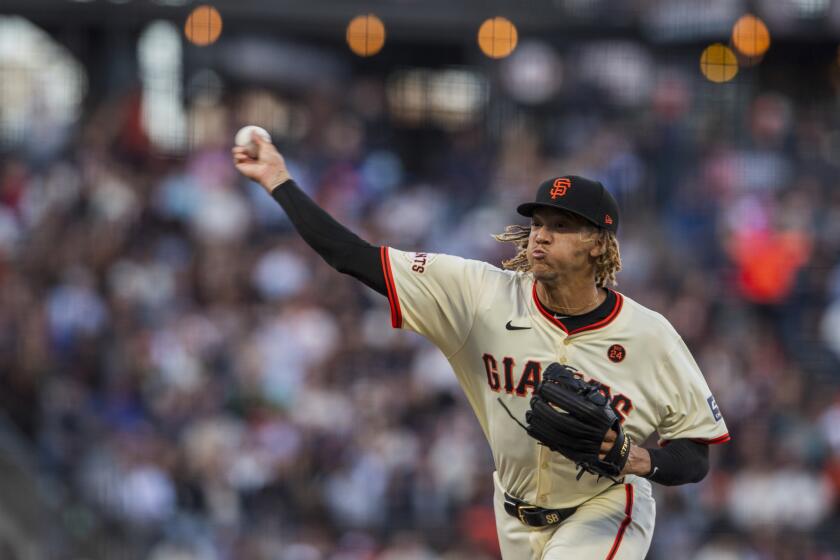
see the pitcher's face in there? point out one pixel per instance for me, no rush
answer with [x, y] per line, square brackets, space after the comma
[562, 245]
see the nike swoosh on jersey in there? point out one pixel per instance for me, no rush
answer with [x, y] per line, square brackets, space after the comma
[512, 328]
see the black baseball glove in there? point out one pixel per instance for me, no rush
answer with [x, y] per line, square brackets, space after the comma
[572, 417]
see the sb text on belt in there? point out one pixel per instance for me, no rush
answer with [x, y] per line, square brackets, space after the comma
[534, 516]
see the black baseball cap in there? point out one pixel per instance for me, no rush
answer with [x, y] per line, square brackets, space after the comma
[584, 197]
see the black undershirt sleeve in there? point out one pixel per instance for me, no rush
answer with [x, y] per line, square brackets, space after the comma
[680, 462]
[338, 246]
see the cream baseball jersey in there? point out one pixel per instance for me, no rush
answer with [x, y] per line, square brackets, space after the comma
[499, 338]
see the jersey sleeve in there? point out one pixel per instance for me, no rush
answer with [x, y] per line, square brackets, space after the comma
[435, 295]
[689, 410]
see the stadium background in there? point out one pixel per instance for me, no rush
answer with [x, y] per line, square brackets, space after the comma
[182, 378]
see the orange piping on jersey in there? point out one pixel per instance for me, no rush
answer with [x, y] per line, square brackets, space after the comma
[545, 313]
[720, 439]
[628, 517]
[619, 302]
[391, 288]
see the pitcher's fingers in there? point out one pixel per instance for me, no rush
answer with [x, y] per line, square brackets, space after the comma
[239, 150]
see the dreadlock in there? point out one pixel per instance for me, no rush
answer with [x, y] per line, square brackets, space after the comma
[607, 264]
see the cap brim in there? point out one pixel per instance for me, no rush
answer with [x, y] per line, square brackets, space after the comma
[528, 208]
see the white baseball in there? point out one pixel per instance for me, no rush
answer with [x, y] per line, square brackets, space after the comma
[243, 138]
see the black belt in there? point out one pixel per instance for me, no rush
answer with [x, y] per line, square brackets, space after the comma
[534, 516]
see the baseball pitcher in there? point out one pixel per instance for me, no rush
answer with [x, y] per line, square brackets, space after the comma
[564, 374]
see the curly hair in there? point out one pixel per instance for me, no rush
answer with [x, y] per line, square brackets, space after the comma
[607, 264]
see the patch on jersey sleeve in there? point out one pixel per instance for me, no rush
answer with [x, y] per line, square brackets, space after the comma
[715, 410]
[421, 261]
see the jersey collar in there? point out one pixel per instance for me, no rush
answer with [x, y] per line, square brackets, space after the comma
[616, 309]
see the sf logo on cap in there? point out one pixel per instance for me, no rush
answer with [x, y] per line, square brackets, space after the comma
[560, 187]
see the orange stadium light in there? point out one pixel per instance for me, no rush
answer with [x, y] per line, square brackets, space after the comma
[750, 36]
[718, 63]
[366, 35]
[203, 26]
[497, 37]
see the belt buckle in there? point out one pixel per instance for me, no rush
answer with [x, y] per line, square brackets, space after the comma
[520, 513]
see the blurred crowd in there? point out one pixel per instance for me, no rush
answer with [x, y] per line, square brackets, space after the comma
[202, 386]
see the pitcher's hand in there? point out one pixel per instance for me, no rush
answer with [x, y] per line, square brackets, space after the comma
[268, 168]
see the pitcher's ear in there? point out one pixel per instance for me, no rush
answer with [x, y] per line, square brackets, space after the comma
[600, 246]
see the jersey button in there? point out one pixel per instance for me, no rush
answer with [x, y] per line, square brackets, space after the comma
[545, 464]
[567, 341]
[543, 497]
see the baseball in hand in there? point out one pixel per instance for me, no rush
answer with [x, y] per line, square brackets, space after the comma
[243, 138]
